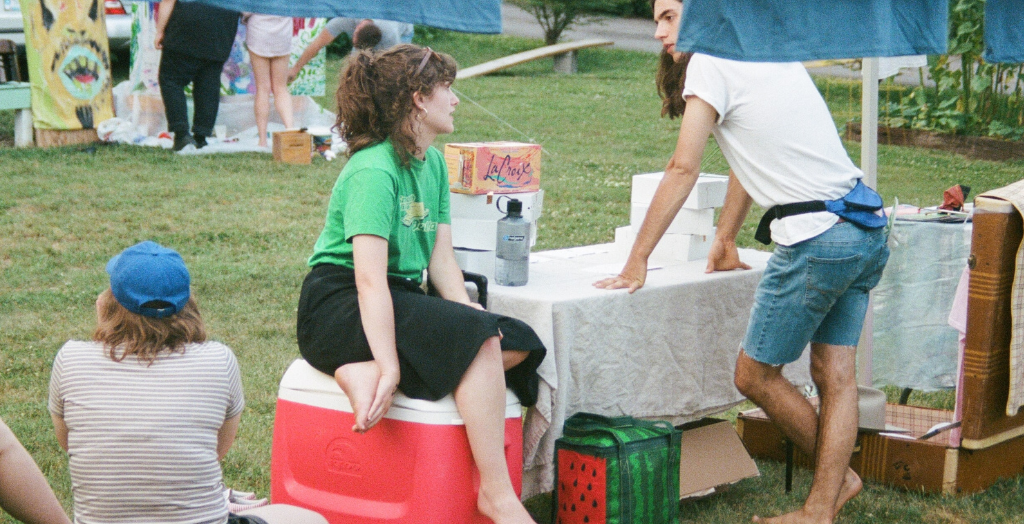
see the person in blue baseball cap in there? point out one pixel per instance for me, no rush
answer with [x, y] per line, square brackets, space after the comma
[149, 406]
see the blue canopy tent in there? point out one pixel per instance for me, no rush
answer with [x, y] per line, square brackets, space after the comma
[1004, 31]
[468, 16]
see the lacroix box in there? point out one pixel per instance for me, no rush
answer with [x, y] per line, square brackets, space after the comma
[477, 168]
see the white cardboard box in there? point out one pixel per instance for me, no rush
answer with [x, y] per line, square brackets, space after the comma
[671, 247]
[485, 207]
[481, 234]
[708, 192]
[686, 222]
[476, 261]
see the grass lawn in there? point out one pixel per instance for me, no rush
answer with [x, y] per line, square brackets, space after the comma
[246, 226]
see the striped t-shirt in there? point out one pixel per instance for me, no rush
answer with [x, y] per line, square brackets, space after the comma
[142, 440]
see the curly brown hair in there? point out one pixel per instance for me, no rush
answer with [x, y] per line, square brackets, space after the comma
[124, 333]
[375, 95]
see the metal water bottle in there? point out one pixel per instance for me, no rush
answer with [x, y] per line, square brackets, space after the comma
[512, 254]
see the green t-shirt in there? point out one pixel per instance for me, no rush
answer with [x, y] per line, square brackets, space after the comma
[375, 195]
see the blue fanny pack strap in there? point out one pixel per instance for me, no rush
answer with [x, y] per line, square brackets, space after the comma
[858, 207]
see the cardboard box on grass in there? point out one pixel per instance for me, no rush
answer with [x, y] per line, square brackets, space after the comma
[292, 147]
[500, 167]
[712, 457]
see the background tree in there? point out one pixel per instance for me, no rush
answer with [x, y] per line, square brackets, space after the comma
[555, 16]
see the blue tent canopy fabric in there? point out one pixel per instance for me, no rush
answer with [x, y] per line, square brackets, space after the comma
[1004, 31]
[468, 16]
[785, 31]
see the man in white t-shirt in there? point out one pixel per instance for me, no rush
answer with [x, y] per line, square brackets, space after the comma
[784, 152]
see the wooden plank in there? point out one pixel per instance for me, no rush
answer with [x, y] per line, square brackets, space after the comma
[526, 56]
[55, 137]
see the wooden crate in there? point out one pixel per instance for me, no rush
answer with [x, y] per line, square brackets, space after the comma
[293, 147]
[930, 465]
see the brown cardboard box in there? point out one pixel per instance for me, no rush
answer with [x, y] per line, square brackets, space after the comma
[293, 147]
[479, 168]
[712, 456]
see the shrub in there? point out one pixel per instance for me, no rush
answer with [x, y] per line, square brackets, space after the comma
[970, 97]
[555, 16]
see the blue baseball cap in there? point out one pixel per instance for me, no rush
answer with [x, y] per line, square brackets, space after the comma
[149, 279]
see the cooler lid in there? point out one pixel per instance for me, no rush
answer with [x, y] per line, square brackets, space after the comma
[304, 384]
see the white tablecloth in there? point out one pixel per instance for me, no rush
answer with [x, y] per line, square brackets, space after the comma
[914, 346]
[668, 351]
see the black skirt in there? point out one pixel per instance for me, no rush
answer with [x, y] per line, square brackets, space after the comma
[436, 339]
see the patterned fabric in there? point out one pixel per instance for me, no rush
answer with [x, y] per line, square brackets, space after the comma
[1014, 194]
[616, 471]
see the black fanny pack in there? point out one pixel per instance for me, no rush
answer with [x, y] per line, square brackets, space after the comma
[859, 207]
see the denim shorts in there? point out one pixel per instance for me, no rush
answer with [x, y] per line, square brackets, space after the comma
[815, 291]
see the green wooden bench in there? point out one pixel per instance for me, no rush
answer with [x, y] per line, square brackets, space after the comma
[565, 58]
[17, 96]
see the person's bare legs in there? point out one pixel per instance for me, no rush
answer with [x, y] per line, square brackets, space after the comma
[359, 382]
[279, 86]
[24, 492]
[833, 370]
[480, 398]
[261, 104]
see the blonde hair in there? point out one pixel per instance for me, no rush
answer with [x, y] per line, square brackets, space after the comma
[375, 91]
[124, 333]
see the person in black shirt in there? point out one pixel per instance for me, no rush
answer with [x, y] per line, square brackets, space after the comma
[196, 40]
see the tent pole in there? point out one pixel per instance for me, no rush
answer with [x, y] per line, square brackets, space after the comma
[869, 165]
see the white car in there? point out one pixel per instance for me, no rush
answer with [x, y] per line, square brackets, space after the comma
[119, 24]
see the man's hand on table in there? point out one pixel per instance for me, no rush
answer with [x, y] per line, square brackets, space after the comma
[632, 277]
[724, 257]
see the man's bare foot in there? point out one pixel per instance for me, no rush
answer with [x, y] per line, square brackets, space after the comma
[797, 517]
[359, 382]
[850, 488]
[503, 509]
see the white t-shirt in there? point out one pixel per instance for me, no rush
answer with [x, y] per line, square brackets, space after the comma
[777, 135]
[142, 439]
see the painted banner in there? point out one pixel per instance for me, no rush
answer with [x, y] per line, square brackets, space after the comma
[68, 62]
[236, 78]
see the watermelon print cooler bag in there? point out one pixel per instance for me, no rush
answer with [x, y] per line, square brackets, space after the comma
[616, 471]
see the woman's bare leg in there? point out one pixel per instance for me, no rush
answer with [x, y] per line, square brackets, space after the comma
[480, 398]
[261, 104]
[279, 86]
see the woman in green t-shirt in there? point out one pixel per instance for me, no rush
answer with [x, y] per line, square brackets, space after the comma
[363, 316]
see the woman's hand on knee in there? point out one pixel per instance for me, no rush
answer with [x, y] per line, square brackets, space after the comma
[383, 397]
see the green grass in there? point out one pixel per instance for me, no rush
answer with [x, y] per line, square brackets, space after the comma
[246, 225]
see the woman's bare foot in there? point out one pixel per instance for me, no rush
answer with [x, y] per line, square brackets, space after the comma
[504, 508]
[359, 382]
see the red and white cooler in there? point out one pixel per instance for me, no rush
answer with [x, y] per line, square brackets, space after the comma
[414, 466]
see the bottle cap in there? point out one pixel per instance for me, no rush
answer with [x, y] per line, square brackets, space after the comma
[515, 208]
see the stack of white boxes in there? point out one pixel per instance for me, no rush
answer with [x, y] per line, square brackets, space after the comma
[475, 226]
[690, 235]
